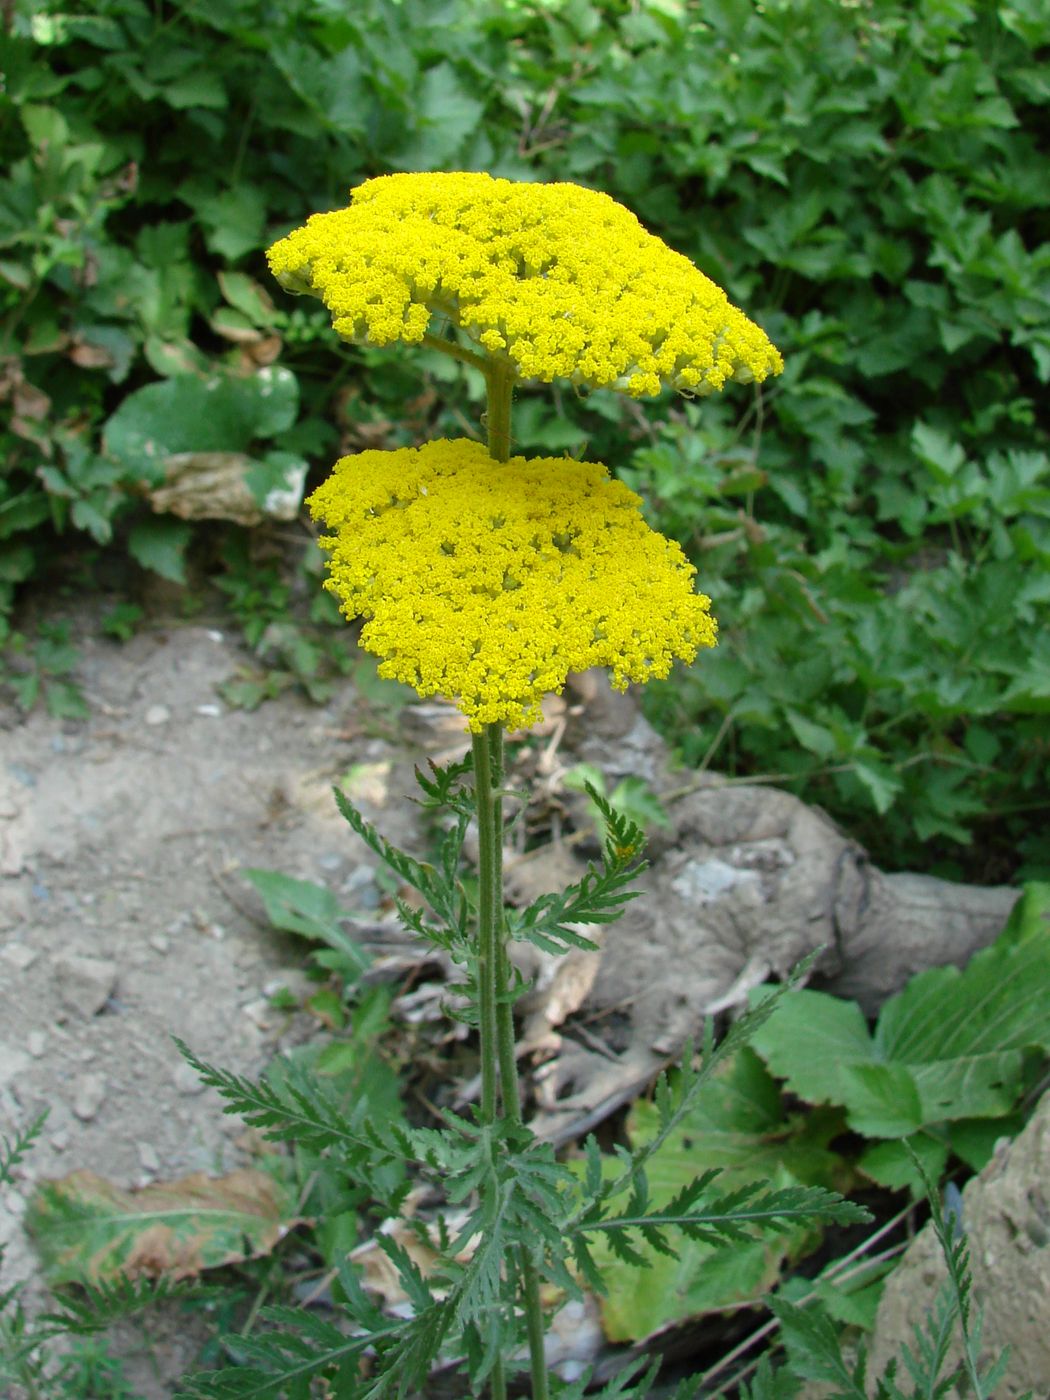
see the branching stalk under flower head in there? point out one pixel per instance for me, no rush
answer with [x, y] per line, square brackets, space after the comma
[489, 582]
[557, 280]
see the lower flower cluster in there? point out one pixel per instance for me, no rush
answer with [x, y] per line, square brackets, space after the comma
[489, 582]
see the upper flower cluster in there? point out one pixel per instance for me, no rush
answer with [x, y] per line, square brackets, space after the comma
[489, 582]
[558, 280]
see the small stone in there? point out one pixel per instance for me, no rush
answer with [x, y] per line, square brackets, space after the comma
[158, 714]
[210, 711]
[59, 1141]
[148, 1156]
[85, 984]
[12, 1063]
[207, 925]
[186, 1079]
[14, 1203]
[159, 943]
[89, 1096]
[292, 979]
[36, 1043]
[259, 1013]
[19, 956]
[12, 852]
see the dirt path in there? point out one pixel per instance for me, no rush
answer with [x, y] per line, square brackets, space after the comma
[123, 917]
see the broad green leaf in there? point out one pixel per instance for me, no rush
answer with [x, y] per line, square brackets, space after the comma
[964, 1033]
[221, 413]
[446, 113]
[200, 88]
[311, 911]
[950, 1047]
[330, 85]
[159, 543]
[817, 738]
[234, 219]
[809, 1039]
[891, 1165]
[882, 783]
[248, 297]
[883, 1099]
[89, 1231]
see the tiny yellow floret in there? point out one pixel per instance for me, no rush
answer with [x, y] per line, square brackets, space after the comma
[488, 582]
[556, 280]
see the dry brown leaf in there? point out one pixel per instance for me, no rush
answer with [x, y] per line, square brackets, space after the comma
[213, 486]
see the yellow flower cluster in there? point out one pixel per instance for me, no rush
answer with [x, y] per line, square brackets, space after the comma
[558, 280]
[488, 582]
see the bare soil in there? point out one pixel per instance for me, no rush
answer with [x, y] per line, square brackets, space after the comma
[124, 919]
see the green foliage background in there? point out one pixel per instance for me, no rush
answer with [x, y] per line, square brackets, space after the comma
[867, 179]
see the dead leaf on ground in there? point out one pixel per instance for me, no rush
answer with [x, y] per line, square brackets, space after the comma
[214, 486]
[379, 1273]
[87, 1230]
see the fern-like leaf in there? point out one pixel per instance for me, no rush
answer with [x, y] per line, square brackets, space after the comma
[675, 1099]
[96, 1307]
[708, 1217]
[283, 1361]
[420, 875]
[619, 1388]
[14, 1149]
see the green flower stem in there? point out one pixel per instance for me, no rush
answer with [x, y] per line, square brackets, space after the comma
[490, 898]
[457, 352]
[499, 377]
[496, 1014]
[488, 747]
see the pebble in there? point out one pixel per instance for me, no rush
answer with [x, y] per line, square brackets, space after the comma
[292, 979]
[85, 984]
[260, 1013]
[59, 1141]
[12, 1063]
[187, 1080]
[19, 956]
[148, 1156]
[158, 714]
[159, 943]
[36, 1043]
[90, 1092]
[210, 711]
[361, 886]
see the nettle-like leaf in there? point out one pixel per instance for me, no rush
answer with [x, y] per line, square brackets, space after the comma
[950, 1048]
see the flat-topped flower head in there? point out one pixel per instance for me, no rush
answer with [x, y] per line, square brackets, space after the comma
[557, 280]
[488, 582]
